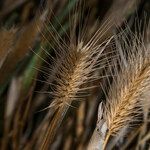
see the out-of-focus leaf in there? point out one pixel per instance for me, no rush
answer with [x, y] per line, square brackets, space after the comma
[10, 5]
[13, 95]
[122, 9]
[64, 13]
[22, 44]
[6, 42]
[30, 73]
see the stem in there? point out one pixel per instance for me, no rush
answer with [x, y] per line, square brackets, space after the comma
[106, 140]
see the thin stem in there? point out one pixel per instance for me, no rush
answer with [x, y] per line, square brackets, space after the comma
[106, 140]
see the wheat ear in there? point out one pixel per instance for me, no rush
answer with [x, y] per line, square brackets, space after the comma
[124, 102]
[78, 63]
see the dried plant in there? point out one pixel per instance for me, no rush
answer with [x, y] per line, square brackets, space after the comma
[56, 66]
[128, 93]
[78, 61]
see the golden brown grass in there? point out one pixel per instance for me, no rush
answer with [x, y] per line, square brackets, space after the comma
[78, 63]
[125, 102]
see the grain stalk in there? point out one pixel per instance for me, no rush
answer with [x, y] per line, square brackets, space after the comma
[78, 61]
[124, 104]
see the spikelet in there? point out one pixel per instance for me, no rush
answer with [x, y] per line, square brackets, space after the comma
[124, 105]
[78, 60]
[76, 70]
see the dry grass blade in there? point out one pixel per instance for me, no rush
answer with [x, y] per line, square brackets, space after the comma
[6, 43]
[121, 9]
[10, 109]
[10, 7]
